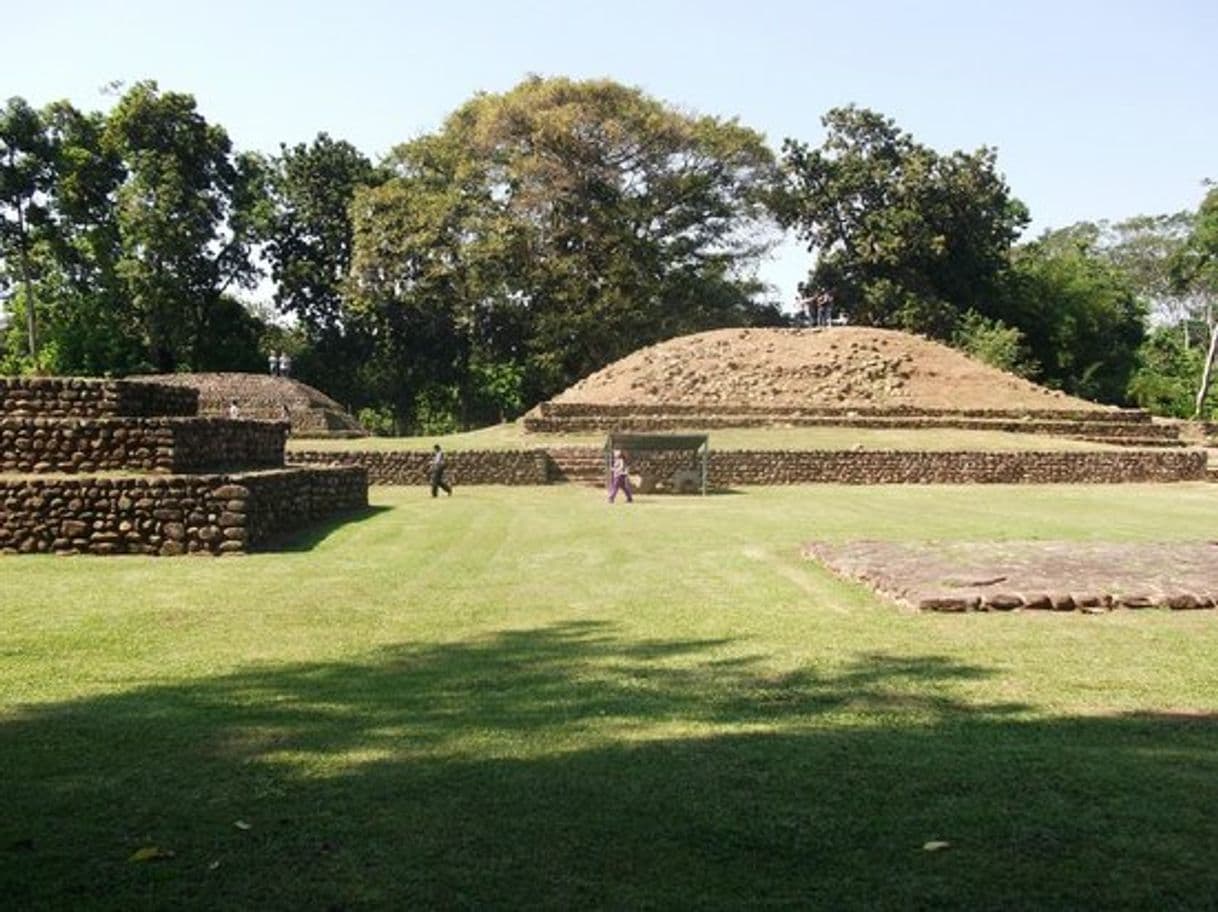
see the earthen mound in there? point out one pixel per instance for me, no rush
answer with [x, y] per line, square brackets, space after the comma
[838, 367]
[311, 412]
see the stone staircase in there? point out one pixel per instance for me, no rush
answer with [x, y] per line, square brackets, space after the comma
[576, 465]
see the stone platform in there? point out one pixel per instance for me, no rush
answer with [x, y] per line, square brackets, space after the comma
[1091, 577]
[122, 467]
[171, 514]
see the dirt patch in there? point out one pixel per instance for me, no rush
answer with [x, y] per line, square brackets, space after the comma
[1054, 576]
[843, 366]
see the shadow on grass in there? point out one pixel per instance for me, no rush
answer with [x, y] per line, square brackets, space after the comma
[569, 767]
[313, 535]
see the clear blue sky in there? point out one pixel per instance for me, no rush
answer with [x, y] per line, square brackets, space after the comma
[1097, 109]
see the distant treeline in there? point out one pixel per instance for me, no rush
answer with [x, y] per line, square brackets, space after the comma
[544, 232]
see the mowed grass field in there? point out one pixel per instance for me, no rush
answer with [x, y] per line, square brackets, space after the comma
[526, 698]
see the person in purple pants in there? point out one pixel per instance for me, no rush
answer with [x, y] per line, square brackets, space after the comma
[619, 477]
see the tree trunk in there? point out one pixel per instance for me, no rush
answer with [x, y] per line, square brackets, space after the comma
[27, 285]
[1207, 370]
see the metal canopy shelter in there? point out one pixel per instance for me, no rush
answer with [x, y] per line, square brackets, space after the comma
[698, 444]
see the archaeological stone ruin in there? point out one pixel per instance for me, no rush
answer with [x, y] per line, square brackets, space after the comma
[126, 467]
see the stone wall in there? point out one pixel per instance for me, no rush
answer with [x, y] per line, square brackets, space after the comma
[70, 397]
[221, 443]
[470, 467]
[173, 445]
[728, 468]
[168, 515]
[617, 410]
[1106, 430]
[1118, 426]
[289, 499]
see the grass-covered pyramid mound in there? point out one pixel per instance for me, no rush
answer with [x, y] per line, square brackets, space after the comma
[311, 412]
[839, 367]
[853, 376]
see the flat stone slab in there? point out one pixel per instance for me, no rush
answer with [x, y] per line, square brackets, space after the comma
[1091, 577]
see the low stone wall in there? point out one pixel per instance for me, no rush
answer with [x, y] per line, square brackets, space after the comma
[206, 514]
[74, 397]
[290, 499]
[211, 443]
[729, 468]
[1105, 430]
[470, 467]
[617, 410]
[172, 445]
[777, 467]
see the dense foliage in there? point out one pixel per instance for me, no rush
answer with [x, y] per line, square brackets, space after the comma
[905, 237]
[544, 232]
[548, 231]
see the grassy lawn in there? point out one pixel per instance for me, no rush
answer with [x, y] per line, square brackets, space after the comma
[514, 437]
[527, 698]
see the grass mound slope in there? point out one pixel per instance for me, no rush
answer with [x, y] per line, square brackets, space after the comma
[839, 367]
[311, 412]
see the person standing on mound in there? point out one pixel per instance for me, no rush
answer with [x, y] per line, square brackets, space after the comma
[437, 473]
[619, 477]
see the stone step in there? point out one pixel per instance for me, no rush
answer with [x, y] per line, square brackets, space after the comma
[577, 466]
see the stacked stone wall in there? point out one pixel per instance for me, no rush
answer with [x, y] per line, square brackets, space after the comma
[1106, 430]
[210, 443]
[471, 467]
[1117, 426]
[287, 500]
[65, 397]
[170, 445]
[728, 468]
[203, 514]
[617, 410]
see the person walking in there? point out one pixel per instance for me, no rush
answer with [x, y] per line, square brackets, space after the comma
[619, 477]
[437, 473]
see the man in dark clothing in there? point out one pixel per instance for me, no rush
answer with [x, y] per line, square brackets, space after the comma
[437, 473]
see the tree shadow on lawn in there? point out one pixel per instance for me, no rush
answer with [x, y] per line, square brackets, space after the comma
[569, 767]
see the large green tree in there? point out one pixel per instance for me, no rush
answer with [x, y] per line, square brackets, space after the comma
[1195, 272]
[25, 178]
[89, 327]
[903, 236]
[186, 209]
[1144, 249]
[544, 232]
[1079, 316]
[308, 242]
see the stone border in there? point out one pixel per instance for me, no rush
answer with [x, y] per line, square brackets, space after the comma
[170, 445]
[728, 468]
[170, 515]
[1084, 576]
[553, 409]
[1105, 431]
[468, 467]
[78, 397]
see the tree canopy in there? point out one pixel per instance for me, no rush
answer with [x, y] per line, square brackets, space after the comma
[554, 228]
[543, 232]
[903, 236]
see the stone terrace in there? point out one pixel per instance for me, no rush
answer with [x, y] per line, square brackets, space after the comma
[59, 438]
[1132, 427]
